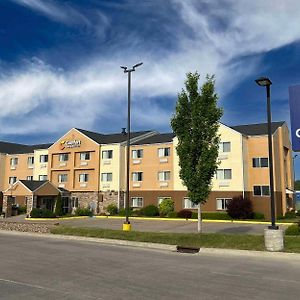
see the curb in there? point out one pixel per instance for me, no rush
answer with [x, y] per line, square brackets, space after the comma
[157, 246]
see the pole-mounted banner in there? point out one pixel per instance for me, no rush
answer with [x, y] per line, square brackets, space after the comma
[294, 92]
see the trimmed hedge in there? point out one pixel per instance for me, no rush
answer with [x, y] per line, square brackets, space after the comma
[172, 214]
[150, 211]
[212, 216]
[83, 212]
[186, 214]
[41, 213]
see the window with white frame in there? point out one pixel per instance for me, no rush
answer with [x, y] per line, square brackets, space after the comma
[30, 160]
[44, 158]
[188, 204]
[85, 156]
[83, 177]
[222, 203]
[161, 199]
[12, 179]
[261, 190]
[137, 176]
[30, 178]
[138, 153]
[224, 174]
[137, 201]
[224, 147]
[62, 178]
[164, 175]
[14, 161]
[42, 177]
[106, 177]
[63, 157]
[74, 202]
[260, 162]
[162, 152]
[107, 154]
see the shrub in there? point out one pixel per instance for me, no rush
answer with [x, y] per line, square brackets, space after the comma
[58, 206]
[258, 216]
[41, 213]
[220, 215]
[290, 215]
[83, 212]
[166, 206]
[298, 213]
[172, 214]
[122, 212]
[293, 230]
[240, 208]
[112, 209]
[137, 212]
[186, 214]
[151, 211]
[21, 210]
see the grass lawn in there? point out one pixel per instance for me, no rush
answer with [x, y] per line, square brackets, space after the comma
[208, 240]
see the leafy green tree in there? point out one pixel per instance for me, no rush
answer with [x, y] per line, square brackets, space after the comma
[297, 185]
[58, 206]
[196, 124]
[166, 206]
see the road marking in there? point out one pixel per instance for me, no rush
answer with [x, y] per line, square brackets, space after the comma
[44, 288]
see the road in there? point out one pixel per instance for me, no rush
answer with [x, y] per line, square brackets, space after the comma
[41, 268]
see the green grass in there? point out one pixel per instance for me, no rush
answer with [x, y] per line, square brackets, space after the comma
[208, 240]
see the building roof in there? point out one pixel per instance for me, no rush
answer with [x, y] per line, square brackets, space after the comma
[110, 138]
[257, 129]
[33, 184]
[159, 138]
[13, 148]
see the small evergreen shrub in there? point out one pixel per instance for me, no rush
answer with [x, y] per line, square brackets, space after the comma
[112, 209]
[83, 212]
[258, 216]
[41, 213]
[166, 206]
[58, 206]
[293, 230]
[137, 213]
[212, 216]
[122, 212]
[240, 208]
[185, 213]
[151, 211]
[290, 215]
[21, 210]
[172, 214]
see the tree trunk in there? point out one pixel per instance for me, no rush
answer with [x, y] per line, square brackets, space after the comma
[199, 219]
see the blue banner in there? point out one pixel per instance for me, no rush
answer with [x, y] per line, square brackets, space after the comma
[294, 92]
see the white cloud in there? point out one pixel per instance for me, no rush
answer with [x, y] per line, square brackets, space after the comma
[98, 88]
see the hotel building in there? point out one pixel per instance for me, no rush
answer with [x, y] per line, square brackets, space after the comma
[89, 170]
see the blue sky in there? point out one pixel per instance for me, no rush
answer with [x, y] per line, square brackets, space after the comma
[59, 61]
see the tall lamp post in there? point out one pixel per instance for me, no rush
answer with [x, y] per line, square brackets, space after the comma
[126, 224]
[264, 81]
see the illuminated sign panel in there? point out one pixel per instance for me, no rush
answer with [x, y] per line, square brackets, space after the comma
[294, 92]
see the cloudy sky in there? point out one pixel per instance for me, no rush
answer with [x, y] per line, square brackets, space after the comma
[60, 61]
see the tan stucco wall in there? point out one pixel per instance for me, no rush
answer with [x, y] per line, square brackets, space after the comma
[2, 171]
[39, 168]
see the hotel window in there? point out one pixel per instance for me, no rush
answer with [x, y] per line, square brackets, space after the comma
[164, 175]
[64, 157]
[137, 153]
[74, 202]
[107, 154]
[224, 174]
[43, 158]
[85, 156]
[261, 190]
[162, 152]
[225, 147]
[136, 202]
[222, 203]
[42, 177]
[30, 160]
[62, 178]
[14, 161]
[106, 177]
[260, 162]
[161, 199]
[137, 176]
[30, 178]
[12, 180]
[188, 204]
[83, 177]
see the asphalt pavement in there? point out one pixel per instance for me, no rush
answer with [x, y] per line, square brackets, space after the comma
[34, 267]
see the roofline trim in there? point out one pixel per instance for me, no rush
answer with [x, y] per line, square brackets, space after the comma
[19, 181]
[47, 181]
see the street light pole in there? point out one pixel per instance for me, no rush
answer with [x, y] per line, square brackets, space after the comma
[127, 225]
[264, 81]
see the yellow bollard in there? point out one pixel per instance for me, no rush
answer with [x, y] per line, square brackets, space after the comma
[126, 227]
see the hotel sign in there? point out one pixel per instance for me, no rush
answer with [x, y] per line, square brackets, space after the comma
[70, 144]
[294, 92]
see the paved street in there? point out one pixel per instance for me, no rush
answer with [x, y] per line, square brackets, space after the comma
[41, 268]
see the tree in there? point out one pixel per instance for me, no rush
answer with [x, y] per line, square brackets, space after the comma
[196, 124]
[297, 185]
[58, 206]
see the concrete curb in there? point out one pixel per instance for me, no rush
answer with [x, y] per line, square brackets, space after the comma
[156, 246]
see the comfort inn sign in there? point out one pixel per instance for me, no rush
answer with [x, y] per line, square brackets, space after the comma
[294, 92]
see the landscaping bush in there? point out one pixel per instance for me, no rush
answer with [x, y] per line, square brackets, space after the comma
[166, 206]
[151, 211]
[240, 208]
[112, 209]
[172, 214]
[290, 215]
[258, 216]
[58, 206]
[137, 212]
[186, 214]
[122, 211]
[83, 212]
[212, 216]
[21, 210]
[293, 230]
[41, 213]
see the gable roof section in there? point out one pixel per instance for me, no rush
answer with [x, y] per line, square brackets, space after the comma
[257, 129]
[33, 185]
[14, 148]
[158, 138]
